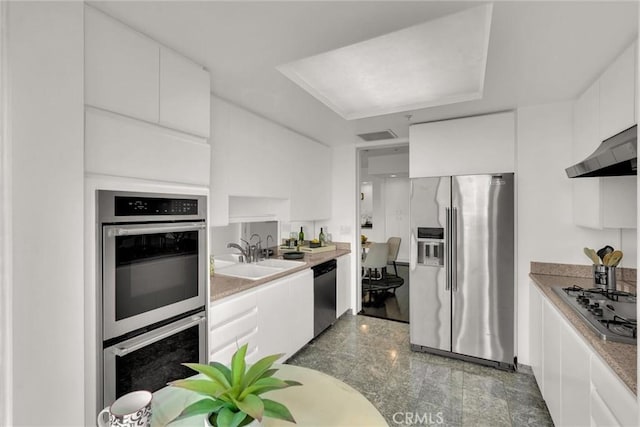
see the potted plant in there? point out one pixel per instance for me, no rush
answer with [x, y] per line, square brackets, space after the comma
[232, 395]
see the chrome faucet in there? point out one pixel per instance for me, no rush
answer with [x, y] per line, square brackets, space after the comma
[255, 250]
[245, 253]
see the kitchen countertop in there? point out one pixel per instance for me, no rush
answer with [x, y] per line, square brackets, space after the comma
[222, 286]
[621, 358]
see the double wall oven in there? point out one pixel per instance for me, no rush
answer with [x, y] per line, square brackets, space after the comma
[153, 289]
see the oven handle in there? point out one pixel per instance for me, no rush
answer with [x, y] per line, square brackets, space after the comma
[122, 231]
[161, 333]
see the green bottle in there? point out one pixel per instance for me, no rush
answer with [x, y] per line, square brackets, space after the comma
[301, 237]
[322, 238]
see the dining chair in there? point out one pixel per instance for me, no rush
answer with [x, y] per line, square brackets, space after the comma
[376, 260]
[394, 248]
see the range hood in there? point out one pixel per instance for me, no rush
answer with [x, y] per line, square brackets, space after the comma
[616, 156]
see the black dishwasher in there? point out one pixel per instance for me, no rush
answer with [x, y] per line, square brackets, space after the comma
[324, 296]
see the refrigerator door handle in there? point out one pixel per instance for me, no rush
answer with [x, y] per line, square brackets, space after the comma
[454, 250]
[447, 244]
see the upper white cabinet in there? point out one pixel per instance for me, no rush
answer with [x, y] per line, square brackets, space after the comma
[121, 68]
[466, 146]
[617, 94]
[131, 74]
[255, 158]
[184, 94]
[606, 108]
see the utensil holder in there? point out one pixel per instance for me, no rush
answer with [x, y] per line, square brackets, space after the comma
[604, 277]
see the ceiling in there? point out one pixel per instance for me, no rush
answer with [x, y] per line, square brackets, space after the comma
[539, 52]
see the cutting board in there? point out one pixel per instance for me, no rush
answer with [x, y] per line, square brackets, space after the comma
[327, 248]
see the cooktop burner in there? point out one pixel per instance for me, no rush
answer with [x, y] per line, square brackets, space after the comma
[611, 314]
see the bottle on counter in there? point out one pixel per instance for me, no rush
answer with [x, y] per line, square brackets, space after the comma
[301, 237]
[322, 238]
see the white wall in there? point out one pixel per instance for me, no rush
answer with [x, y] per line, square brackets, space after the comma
[46, 119]
[343, 225]
[397, 210]
[545, 230]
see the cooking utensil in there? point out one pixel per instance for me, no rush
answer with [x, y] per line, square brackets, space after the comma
[606, 250]
[605, 259]
[614, 258]
[591, 253]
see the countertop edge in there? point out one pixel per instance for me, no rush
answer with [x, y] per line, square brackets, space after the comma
[616, 355]
[222, 286]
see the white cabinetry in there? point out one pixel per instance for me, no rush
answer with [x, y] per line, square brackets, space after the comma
[233, 321]
[575, 384]
[619, 403]
[535, 334]
[184, 94]
[617, 94]
[276, 317]
[343, 285]
[121, 68]
[285, 314]
[551, 367]
[579, 389]
[255, 158]
[471, 145]
[604, 109]
[131, 74]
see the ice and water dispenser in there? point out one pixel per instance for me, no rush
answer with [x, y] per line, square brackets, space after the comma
[430, 246]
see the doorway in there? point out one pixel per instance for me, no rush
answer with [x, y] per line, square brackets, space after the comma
[385, 223]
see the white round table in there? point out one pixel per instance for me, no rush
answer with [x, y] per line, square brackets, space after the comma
[321, 401]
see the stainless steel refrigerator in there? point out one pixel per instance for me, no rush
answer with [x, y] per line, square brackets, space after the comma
[462, 281]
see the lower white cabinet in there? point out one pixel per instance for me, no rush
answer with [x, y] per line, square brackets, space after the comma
[343, 285]
[233, 321]
[285, 314]
[551, 366]
[273, 318]
[578, 387]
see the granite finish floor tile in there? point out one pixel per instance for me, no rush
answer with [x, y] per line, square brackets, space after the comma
[416, 389]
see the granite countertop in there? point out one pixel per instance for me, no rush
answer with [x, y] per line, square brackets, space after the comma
[222, 286]
[621, 358]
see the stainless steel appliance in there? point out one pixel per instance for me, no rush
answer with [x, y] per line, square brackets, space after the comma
[152, 294]
[615, 156]
[324, 296]
[611, 314]
[462, 280]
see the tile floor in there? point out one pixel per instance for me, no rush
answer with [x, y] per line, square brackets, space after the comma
[408, 388]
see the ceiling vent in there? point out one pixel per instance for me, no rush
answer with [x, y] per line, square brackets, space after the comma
[378, 136]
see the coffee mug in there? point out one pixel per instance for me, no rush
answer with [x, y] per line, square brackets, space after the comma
[131, 410]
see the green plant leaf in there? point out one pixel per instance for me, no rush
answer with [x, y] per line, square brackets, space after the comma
[292, 383]
[238, 365]
[206, 387]
[252, 405]
[222, 368]
[238, 418]
[258, 368]
[204, 406]
[277, 410]
[225, 417]
[211, 372]
[263, 385]
[268, 373]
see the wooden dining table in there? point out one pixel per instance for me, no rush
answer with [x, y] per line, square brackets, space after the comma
[321, 400]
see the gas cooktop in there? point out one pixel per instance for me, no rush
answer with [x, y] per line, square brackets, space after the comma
[611, 314]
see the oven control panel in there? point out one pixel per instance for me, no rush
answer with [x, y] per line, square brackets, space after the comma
[136, 206]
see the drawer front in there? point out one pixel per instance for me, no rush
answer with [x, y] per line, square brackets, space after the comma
[613, 393]
[601, 415]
